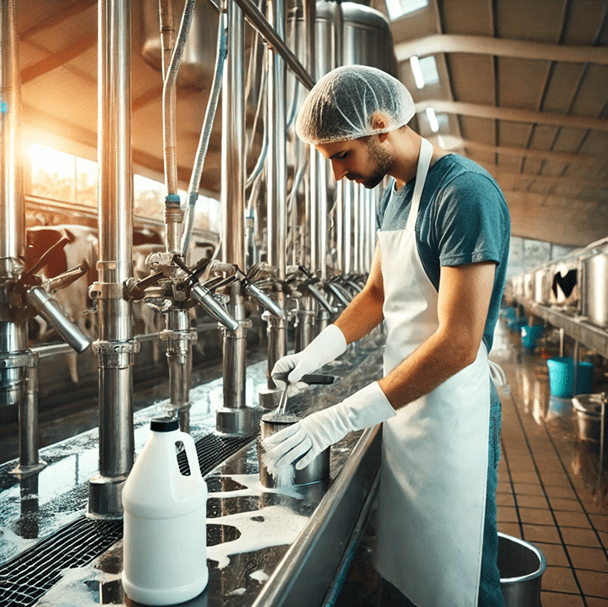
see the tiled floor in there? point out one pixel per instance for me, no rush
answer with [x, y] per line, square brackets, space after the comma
[548, 491]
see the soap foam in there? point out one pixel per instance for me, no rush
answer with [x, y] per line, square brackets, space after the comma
[74, 588]
[284, 475]
[259, 576]
[254, 487]
[281, 526]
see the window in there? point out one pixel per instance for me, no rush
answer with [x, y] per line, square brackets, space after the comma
[424, 71]
[399, 8]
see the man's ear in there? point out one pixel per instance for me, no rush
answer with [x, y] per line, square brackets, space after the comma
[379, 120]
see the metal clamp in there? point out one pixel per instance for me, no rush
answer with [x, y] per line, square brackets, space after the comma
[168, 335]
[15, 360]
[107, 290]
[116, 354]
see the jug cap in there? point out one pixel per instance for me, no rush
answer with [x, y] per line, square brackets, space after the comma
[164, 424]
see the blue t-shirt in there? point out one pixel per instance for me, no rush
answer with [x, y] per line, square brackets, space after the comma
[463, 218]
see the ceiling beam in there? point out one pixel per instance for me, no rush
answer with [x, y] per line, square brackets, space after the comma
[550, 202]
[527, 153]
[477, 110]
[499, 173]
[59, 17]
[501, 47]
[55, 60]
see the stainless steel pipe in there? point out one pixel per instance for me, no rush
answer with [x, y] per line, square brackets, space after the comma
[179, 337]
[13, 333]
[234, 417]
[276, 40]
[115, 347]
[276, 174]
[233, 143]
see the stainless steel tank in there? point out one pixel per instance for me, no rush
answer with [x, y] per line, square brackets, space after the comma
[529, 286]
[367, 38]
[594, 288]
[543, 279]
[198, 62]
[518, 286]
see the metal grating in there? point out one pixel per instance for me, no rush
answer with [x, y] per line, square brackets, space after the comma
[28, 576]
[24, 579]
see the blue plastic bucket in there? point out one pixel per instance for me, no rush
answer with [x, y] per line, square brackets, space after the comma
[529, 335]
[561, 377]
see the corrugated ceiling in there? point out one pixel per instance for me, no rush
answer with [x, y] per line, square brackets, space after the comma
[523, 90]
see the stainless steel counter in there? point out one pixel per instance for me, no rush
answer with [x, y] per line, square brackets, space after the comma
[265, 547]
[577, 327]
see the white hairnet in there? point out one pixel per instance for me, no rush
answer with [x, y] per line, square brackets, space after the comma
[341, 105]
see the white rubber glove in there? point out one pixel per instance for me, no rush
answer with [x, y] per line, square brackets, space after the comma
[324, 348]
[306, 439]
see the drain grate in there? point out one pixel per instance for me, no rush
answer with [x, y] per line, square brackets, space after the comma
[27, 577]
[24, 579]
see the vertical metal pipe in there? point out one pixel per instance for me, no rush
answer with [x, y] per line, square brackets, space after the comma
[234, 417]
[347, 209]
[179, 338]
[362, 227]
[309, 236]
[374, 195]
[28, 419]
[323, 176]
[235, 353]
[115, 347]
[340, 226]
[276, 172]
[13, 334]
[356, 232]
[233, 140]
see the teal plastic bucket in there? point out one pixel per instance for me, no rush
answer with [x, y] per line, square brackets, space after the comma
[529, 335]
[584, 378]
[561, 377]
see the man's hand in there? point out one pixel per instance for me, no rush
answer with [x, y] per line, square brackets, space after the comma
[315, 433]
[327, 346]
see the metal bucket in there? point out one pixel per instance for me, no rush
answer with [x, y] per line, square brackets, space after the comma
[316, 471]
[521, 566]
[589, 416]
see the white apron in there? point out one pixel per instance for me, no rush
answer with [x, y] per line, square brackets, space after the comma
[435, 450]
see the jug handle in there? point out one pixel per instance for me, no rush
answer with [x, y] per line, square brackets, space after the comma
[189, 447]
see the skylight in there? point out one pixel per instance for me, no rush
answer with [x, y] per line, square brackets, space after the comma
[399, 8]
[424, 70]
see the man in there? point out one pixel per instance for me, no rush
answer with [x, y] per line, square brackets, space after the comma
[436, 281]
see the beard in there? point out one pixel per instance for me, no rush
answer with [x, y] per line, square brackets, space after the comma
[380, 162]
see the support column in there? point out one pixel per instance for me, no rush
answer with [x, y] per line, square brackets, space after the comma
[115, 347]
[13, 332]
[234, 417]
[276, 172]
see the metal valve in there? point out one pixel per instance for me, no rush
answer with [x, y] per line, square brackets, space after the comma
[205, 297]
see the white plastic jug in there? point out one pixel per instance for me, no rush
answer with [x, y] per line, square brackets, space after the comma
[164, 546]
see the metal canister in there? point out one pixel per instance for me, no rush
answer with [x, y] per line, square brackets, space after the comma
[316, 471]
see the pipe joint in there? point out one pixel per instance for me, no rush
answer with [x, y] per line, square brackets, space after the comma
[240, 332]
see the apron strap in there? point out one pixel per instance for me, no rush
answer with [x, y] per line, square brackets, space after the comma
[424, 162]
[497, 374]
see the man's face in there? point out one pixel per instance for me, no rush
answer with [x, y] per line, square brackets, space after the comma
[362, 160]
